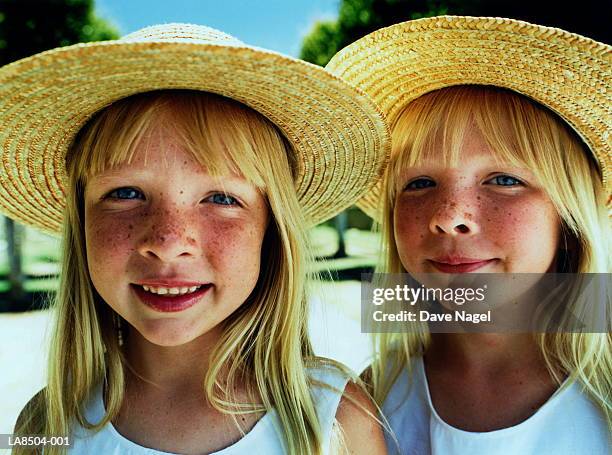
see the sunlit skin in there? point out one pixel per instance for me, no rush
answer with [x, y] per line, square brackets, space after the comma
[481, 210]
[168, 217]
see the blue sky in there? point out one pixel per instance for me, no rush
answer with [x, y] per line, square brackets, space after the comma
[279, 25]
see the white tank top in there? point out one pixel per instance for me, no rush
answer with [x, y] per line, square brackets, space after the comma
[263, 438]
[569, 423]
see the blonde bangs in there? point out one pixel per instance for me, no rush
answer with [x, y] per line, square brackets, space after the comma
[222, 135]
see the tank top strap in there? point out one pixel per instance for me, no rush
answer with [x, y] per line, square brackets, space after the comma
[328, 387]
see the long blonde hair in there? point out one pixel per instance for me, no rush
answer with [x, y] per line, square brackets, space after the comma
[521, 132]
[265, 341]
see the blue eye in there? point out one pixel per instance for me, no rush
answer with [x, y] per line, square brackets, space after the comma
[420, 184]
[223, 199]
[124, 193]
[505, 180]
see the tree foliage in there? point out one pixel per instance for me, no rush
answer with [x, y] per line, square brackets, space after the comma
[357, 18]
[31, 26]
[26, 28]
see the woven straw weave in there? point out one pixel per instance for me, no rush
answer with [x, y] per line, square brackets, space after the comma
[338, 135]
[566, 72]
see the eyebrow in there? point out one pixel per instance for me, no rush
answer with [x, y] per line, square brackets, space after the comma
[480, 162]
[522, 172]
[108, 178]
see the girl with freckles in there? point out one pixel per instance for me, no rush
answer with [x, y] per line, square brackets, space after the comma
[181, 317]
[500, 163]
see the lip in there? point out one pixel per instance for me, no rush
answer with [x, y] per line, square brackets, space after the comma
[459, 264]
[170, 304]
[169, 283]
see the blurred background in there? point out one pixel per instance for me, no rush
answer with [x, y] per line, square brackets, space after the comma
[310, 29]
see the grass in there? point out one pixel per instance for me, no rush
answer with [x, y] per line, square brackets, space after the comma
[324, 240]
[40, 253]
[344, 263]
[361, 248]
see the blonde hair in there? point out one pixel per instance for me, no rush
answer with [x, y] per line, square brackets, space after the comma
[265, 341]
[522, 132]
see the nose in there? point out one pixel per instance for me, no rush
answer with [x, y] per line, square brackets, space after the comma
[454, 217]
[168, 236]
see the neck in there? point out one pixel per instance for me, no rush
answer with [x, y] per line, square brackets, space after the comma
[483, 351]
[169, 368]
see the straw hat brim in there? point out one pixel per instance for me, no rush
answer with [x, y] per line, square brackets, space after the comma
[337, 132]
[568, 73]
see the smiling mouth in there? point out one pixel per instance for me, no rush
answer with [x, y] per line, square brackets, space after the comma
[171, 291]
[167, 300]
[460, 267]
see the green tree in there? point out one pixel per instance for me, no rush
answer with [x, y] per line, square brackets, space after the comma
[321, 43]
[31, 26]
[26, 28]
[357, 18]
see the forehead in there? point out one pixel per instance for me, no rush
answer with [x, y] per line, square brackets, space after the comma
[466, 146]
[160, 147]
[163, 162]
[202, 134]
[445, 124]
[470, 145]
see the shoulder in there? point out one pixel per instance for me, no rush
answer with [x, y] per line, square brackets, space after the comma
[31, 414]
[346, 409]
[359, 422]
[327, 379]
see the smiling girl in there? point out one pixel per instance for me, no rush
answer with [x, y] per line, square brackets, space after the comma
[181, 313]
[485, 179]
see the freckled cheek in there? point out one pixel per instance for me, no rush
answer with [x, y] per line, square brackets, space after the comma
[411, 219]
[109, 242]
[523, 225]
[410, 227]
[501, 222]
[234, 246]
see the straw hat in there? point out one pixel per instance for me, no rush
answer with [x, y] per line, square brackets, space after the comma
[566, 72]
[336, 131]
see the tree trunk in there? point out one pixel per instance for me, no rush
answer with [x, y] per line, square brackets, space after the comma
[14, 233]
[340, 223]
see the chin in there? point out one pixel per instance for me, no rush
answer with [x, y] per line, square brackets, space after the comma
[169, 333]
[167, 339]
[172, 343]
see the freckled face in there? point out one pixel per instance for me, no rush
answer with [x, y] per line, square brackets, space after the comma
[480, 210]
[168, 218]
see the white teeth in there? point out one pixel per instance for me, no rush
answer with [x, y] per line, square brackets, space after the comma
[172, 291]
